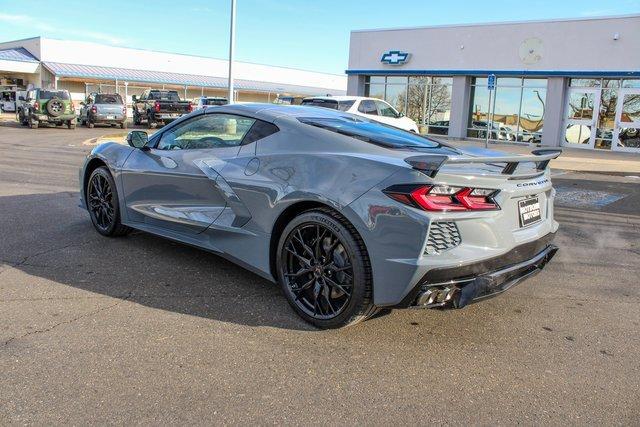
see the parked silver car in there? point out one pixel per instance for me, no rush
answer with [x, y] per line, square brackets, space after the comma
[201, 102]
[349, 215]
[103, 108]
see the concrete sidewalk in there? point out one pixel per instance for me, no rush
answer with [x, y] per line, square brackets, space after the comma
[574, 159]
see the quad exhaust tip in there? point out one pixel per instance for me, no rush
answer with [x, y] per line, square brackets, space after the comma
[437, 296]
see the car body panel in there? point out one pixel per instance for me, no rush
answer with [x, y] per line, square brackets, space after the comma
[228, 200]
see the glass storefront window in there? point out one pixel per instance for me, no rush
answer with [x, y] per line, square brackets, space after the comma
[580, 105]
[396, 80]
[424, 99]
[374, 91]
[532, 115]
[631, 83]
[396, 95]
[585, 82]
[376, 79]
[516, 113]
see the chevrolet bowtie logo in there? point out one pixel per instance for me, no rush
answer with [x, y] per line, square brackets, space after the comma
[394, 57]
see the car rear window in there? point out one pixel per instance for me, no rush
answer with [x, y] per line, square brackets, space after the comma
[60, 94]
[108, 99]
[164, 96]
[328, 103]
[214, 101]
[372, 132]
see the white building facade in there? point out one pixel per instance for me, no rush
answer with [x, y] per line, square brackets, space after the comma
[85, 67]
[572, 83]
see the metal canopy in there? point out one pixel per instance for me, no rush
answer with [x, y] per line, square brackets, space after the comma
[161, 77]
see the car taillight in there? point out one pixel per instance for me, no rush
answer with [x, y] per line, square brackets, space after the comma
[72, 106]
[94, 109]
[156, 106]
[36, 106]
[190, 108]
[444, 198]
[124, 110]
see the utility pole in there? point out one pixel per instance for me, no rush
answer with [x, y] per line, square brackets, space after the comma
[232, 45]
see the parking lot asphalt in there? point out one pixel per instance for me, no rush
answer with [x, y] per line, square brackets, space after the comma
[143, 330]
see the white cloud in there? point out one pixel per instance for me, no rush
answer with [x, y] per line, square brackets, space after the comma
[24, 20]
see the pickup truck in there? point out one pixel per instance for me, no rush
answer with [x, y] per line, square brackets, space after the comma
[158, 107]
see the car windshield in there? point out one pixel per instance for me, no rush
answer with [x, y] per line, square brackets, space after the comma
[372, 132]
[48, 94]
[328, 103]
[164, 96]
[108, 99]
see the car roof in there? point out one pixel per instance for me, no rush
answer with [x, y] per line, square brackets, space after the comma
[341, 98]
[271, 112]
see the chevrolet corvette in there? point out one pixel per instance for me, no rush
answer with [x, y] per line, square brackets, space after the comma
[349, 216]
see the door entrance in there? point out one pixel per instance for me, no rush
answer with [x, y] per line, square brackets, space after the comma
[581, 113]
[626, 136]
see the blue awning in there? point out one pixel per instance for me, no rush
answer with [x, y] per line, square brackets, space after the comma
[19, 54]
[161, 77]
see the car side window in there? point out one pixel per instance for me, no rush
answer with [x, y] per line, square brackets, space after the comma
[259, 130]
[368, 107]
[206, 131]
[386, 110]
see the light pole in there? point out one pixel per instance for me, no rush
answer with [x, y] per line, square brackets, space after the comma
[232, 43]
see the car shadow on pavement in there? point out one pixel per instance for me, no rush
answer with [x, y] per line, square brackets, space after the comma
[50, 237]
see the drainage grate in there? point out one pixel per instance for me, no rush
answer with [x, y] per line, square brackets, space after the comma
[443, 235]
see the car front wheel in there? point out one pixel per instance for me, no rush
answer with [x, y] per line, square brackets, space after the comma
[102, 203]
[324, 270]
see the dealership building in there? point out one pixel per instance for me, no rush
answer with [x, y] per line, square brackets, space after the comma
[84, 67]
[573, 83]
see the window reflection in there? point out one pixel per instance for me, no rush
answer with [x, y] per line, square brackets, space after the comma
[631, 108]
[425, 99]
[516, 113]
[396, 95]
[580, 105]
[577, 134]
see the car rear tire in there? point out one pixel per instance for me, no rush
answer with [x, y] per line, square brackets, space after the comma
[90, 124]
[123, 125]
[324, 270]
[103, 204]
[33, 124]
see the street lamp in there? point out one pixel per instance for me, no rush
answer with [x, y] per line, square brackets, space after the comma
[232, 42]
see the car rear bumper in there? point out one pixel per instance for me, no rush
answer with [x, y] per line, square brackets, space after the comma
[168, 116]
[60, 118]
[108, 118]
[457, 287]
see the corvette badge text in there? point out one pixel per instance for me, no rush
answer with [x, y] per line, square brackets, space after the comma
[535, 183]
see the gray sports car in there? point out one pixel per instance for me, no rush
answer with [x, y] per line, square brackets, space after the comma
[348, 215]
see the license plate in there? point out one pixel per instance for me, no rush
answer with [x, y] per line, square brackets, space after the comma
[529, 210]
[111, 117]
[175, 115]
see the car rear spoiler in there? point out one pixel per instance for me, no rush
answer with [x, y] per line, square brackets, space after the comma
[431, 164]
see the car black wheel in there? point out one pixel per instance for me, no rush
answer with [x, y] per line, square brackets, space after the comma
[324, 270]
[102, 203]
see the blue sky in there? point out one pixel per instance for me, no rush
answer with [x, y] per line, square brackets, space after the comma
[308, 34]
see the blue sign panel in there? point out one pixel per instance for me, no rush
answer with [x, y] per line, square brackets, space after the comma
[394, 57]
[491, 82]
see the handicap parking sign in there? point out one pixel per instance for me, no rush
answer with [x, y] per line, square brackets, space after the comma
[491, 82]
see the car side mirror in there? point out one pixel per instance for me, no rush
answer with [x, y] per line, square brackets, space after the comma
[137, 139]
[134, 98]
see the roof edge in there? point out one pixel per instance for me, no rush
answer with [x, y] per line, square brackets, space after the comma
[486, 24]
